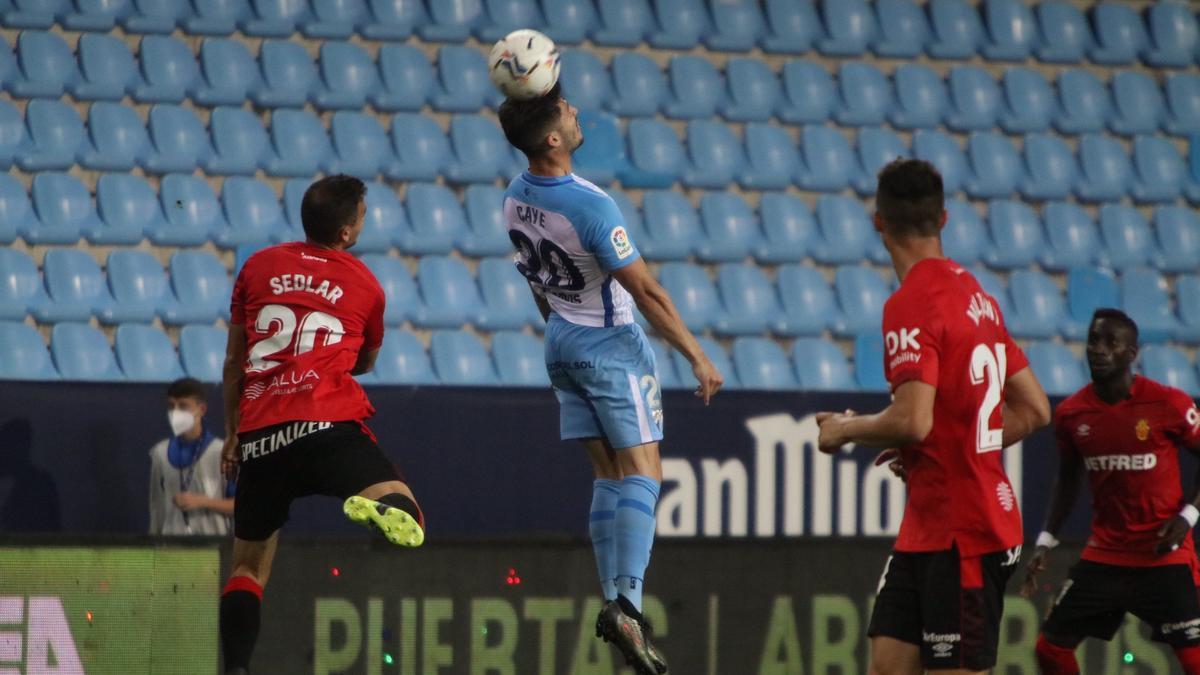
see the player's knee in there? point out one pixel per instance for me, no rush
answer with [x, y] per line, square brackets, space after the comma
[1189, 658]
[1055, 660]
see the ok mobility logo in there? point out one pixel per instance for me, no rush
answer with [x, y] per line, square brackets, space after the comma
[35, 636]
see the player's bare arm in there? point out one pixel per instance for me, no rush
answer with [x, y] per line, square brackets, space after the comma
[365, 362]
[907, 420]
[1175, 530]
[655, 304]
[1026, 406]
[542, 305]
[231, 388]
[1062, 501]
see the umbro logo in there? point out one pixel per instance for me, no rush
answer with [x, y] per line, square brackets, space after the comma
[1083, 431]
[942, 649]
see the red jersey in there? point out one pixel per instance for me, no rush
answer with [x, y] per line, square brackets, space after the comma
[308, 312]
[941, 328]
[1130, 452]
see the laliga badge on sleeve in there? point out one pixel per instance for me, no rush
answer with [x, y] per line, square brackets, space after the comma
[621, 244]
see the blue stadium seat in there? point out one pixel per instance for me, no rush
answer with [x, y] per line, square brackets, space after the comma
[1084, 103]
[1029, 103]
[180, 140]
[793, 26]
[202, 352]
[421, 146]
[23, 355]
[821, 366]
[252, 211]
[436, 220]
[694, 295]
[903, 29]
[1064, 35]
[348, 77]
[1107, 174]
[716, 156]
[829, 163]
[1057, 369]
[336, 19]
[749, 298]
[640, 85]
[920, 97]
[602, 157]
[128, 208]
[8, 64]
[230, 73]
[119, 142]
[56, 136]
[716, 353]
[481, 152]
[1011, 30]
[402, 300]
[1088, 289]
[459, 358]
[64, 210]
[82, 353]
[657, 157]
[21, 288]
[1145, 297]
[1171, 367]
[463, 84]
[957, 29]
[995, 166]
[868, 363]
[107, 69]
[1187, 299]
[846, 232]
[943, 152]
[155, 16]
[47, 66]
[731, 226]
[789, 228]
[240, 143]
[809, 306]
[146, 354]
[520, 360]
[406, 78]
[169, 71]
[505, 16]
[361, 146]
[32, 13]
[866, 95]
[14, 141]
[1051, 170]
[696, 88]
[964, 238]
[384, 220]
[861, 293]
[753, 91]
[993, 286]
[761, 364]
[216, 17]
[1174, 35]
[672, 226]
[665, 365]
[1178, 231]
[289, 75]
[293, 195]
[452, 20]
[75, 285]
[585, 80]
[682, 24]
[809, 95]
[14, 208]
[738, 26]
[506, 295]
[488, 233]
[202, 287]
[192, 212]
[1072, 238]
[1138, 106]
[1120, 34]
[1038, 307]
[402, 360]
[1160, 174]
[393, 19]
[1016, 235]
[275, 18]
[771, 158]
[1126, 236]
[850, 27]
[302, 147]
[1183, 104]
[568, 22]
[450, 294]
[876, 148]
[975, 99]
[622, 23]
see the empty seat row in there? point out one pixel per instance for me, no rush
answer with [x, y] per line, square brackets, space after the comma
[1061, 373]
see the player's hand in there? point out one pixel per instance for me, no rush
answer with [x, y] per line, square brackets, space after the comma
[190, 501]
[709, 377]
[833, 430]
[891, 457]
[1171, 535]
[230, 457]
[1037, 565]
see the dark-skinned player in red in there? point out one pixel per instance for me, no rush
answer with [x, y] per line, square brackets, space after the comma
[1124, 431]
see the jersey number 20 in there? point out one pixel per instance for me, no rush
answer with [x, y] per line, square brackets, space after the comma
[989, 369]
[280, 321]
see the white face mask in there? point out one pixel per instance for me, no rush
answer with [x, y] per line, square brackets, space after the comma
[181, 421]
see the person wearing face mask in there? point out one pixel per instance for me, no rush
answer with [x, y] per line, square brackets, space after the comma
[188, 493]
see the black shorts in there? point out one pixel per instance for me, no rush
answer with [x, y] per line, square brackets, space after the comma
[296, 459]
[1095, 597]
[947, 605]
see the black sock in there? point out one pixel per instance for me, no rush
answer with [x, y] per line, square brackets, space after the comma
[629, 609]
[240, 613]
[405, 504]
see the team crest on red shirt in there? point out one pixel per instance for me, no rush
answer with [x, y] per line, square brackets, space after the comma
[1142, 429]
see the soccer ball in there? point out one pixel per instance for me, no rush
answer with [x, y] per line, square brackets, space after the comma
[524, 65]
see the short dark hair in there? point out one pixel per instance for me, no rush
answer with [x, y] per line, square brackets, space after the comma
[329, 204]
[910, 198]
[1118, 317]
[188, 387]
[527, 123]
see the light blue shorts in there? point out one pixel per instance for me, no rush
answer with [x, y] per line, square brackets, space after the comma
[606, 381]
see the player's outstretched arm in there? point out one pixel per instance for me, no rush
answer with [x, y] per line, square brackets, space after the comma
[908, 420]
[231, 389]
[655, 304]
[1062, 500]
[1026, 407]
